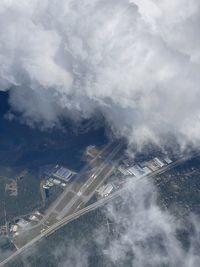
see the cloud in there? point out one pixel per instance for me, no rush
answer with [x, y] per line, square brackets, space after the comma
[148, 235]
[135, 62]
[139, 233]
[75, 255]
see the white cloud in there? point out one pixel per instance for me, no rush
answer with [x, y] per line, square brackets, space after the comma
[148, 233]
[75, 255]
[136, 62]
[144, 235]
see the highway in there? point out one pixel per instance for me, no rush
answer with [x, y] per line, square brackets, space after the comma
[78, 193]
[60, 224]
[87, 209]
[78, 177]
[103, 171]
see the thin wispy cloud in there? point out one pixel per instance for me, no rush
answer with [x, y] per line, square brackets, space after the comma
[148, 235]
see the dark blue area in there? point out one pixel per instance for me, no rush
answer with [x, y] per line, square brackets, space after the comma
[25, 147]
[47, 193]
[4, 106]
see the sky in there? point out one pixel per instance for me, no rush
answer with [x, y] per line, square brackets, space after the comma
[136, 63]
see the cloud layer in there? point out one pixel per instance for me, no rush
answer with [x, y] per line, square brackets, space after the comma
[148, 236]
[135, 62]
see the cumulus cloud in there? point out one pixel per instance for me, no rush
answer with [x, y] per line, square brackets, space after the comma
[135, 62]
[148, 235]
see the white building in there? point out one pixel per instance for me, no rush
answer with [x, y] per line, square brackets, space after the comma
[56, 182]
[136, 171]
[123, 171]
[146, 170]
[22, 223]
[167, 160]
[14, 228]
[33, 218]
[63, 174]
[159, 162]
[105, 190]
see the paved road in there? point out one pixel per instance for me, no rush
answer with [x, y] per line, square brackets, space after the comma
[100, 175]
[85, 210]
[75, 198]
[78, 177]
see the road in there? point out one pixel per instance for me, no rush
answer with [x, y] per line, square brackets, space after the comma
[85, 210]
[77, 178]
[76, 195]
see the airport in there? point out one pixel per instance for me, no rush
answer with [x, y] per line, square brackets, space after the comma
[103, 178]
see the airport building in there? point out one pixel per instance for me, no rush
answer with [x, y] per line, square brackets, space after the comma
[33, 218]
[167, 160]
[144, 168]
[22, 223]
[137, 171]
[62, 173]
[123, 170]
[105, 190]
[155, 164]
[14, 228]
[159, 162]
[92, 151]
[56, 182]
